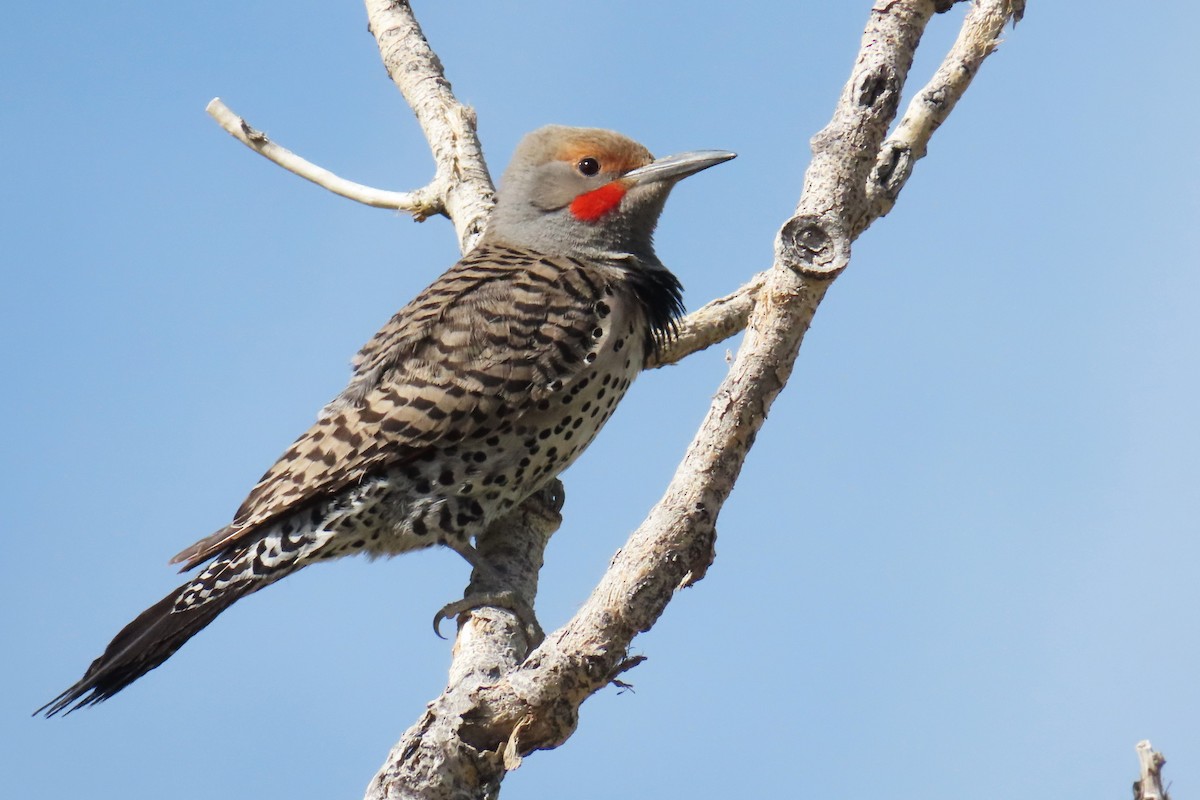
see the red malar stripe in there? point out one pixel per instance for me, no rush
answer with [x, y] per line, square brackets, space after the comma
[595, 204]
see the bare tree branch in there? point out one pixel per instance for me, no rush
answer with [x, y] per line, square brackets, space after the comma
[1149, 785]
[462, 186]
[533, 704]
[673, 547]
[429, 759]
[421, 204]
[978, 39]
[449, 126]
[710, 324]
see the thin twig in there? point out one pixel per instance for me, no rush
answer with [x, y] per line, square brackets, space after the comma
[421, 204]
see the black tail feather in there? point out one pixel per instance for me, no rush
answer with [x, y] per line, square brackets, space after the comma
[140, 647]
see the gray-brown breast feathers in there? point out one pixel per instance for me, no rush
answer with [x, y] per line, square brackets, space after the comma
[489, 339]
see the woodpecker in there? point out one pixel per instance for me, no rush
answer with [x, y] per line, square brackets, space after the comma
[471, 398]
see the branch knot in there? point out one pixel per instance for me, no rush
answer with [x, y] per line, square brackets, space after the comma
[813, 245]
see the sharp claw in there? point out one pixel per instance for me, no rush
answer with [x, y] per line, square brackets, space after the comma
[506, 600]
[438, 619]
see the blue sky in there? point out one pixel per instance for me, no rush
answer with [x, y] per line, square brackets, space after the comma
[962, 558]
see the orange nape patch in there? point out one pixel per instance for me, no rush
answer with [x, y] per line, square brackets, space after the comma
[593, 205]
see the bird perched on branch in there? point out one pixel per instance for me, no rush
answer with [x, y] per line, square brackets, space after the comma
[471, 398]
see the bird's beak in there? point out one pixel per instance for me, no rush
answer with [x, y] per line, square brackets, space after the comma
[672, 168]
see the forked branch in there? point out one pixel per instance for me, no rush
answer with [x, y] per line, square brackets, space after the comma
[978, 39]
[461, 188]
[449, 126]
[502, 701]
[486, 724]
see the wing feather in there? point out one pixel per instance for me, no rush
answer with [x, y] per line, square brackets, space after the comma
[491, 337]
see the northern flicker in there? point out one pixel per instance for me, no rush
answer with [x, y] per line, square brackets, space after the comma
[470, 399]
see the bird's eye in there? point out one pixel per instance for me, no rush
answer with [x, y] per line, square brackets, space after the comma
[588, 166]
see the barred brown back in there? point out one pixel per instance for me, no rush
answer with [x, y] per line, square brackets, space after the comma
[497, 334]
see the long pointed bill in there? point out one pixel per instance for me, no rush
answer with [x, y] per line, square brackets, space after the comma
[676, 166]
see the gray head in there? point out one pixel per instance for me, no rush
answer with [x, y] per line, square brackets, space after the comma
[589, 191]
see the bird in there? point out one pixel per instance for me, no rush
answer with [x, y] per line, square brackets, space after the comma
[472, 397]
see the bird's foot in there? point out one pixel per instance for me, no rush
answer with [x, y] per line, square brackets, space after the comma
[508, 600]
[488, 576]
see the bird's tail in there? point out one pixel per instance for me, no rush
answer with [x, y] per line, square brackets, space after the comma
[163, 628]
[140, 647]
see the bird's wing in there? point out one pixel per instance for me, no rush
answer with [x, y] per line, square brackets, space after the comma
[496, 334]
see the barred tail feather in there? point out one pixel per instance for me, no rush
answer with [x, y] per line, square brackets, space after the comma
[162, 629]
[141, 646]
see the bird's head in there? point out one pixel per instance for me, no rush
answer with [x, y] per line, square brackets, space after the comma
[588, 191]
